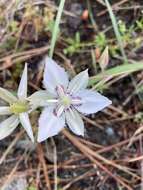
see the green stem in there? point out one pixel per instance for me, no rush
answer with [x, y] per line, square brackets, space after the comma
[56, 28]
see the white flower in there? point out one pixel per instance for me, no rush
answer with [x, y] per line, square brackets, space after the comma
[18, 109]
[64, 101]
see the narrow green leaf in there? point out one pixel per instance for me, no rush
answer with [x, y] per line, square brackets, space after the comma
[116, 71]
[56, 28]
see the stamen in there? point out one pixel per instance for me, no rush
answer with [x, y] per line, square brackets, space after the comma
[52, 101]
[76, 101]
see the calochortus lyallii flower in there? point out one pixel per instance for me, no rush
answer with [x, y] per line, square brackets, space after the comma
[64, 101]
[18, 109]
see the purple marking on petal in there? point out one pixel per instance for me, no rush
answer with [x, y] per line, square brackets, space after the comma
[58, 110]
[60, 90]
[54, 112]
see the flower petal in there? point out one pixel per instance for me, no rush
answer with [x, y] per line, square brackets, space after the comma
[49, 124]
[24, 119]
[7, 96]
[54, 75]
[8, 126]
[4, 110]
[41, 98]
[79, 82]
[75, 122]
[22, 89]
[92, 102]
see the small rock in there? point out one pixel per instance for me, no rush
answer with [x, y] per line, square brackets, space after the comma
[110, 131]
[19, 183]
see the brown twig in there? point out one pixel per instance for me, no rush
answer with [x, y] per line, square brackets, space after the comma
[38, 175]
[113, 6]
[9, 60]
[42, 160]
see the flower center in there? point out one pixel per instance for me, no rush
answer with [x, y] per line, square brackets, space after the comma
[19, 107]
[66, 101]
